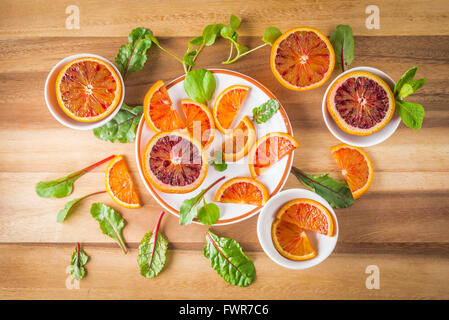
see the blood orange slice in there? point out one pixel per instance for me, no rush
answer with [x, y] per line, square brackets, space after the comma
[199, 121]
[174, 162]
[302, 59]
[237, 145]
[355, 166]
[158, 110]
[291, 241]
[243, 190]
[227, 105]
[88, 89]
[119, 184]
[360, 103]
[307, 214]
[268, 150]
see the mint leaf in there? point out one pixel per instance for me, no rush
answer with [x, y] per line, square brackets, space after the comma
[270, 35]
[132, 56]
[199, 85]
[218, 162]
[79, 259]
[110, 221]
[407, 85]
[122, 127]
[337, 193]
[343, 43]
[265, 111]
[228, 260]
[209, 214]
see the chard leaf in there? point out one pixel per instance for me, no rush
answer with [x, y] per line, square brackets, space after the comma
[111, 222]
[79, 259]
[132, 56]
[63, 187]
[199, 85]
[337, 193]
[412, 114]
[189, 209]
[270, 35]
[228, 260]
[152, 255]
[70, 206]
[265, 111]
[209, 214]
[122, 127]
[343, 43]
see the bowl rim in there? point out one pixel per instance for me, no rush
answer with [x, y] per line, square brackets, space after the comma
[272, 253]
[364, 141]
[66, 120]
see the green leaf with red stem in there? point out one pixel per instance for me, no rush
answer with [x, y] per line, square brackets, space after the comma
[343, 42]
[63, 187]
[70, 206]
[79, 259]
[153, 251]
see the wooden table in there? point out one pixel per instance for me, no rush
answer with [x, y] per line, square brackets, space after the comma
[401, 225]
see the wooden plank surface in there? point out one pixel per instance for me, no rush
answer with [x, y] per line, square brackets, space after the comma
[400, 224]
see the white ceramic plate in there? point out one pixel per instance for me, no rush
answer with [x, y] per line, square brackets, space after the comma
[361, 141]
[322, 244]
[52, 102]
[274, 178]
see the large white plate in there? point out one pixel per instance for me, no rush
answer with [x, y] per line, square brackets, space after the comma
[274, 178]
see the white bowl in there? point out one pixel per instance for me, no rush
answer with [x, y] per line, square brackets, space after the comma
[52, 102]
[322, 244]
[362, 141]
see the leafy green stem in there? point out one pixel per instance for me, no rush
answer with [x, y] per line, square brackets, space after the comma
[203, 192]
[83, 171]
[155, 233]
[196, 55]
[132, 118]
[307, 178]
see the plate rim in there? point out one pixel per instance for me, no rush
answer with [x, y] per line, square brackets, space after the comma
[246, 215]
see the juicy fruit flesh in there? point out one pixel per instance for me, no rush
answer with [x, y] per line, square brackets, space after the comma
[242, 192]
[229, 106]
[354, 167]
[271, 150]
[197, 122]
[88, 88]
[238, 140]
[361, 102]
[161, 113]
[302, 58]
[121, 183]
[292, 239]
[307, 216]
[175, 161]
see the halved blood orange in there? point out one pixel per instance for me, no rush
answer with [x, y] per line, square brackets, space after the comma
[268, 150]
[199, 121]
[227, 105]
[88, 89]
[361, 103]
[307, 214]
[302, 59]
[119, 184]
[291, 241]
[158, 110]
[174, 162]
[355, 166]
[243, 190]
[237, 145]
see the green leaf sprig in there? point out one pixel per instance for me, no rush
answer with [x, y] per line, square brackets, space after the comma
[70, 206]
[122, 127]
[153, 252]
[412, 114]
[342, 41]
[228, 260]
[110, 221]
[199, 85]
[79, 259]
[337, 193]
[190, 208]
[63, 187]
[218, 162]
[132, 56]
[265, 111]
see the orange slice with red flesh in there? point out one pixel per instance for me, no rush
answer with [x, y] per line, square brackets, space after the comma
[268, 150]
[238, 143]
[119, 184]
[199, 121]
[243, 190]
[88, 89]
[174, 162]
[158, 110]
[355, 166]
[302, 59]
[226, 106]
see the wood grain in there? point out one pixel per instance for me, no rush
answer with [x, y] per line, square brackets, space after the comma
[400, 224]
